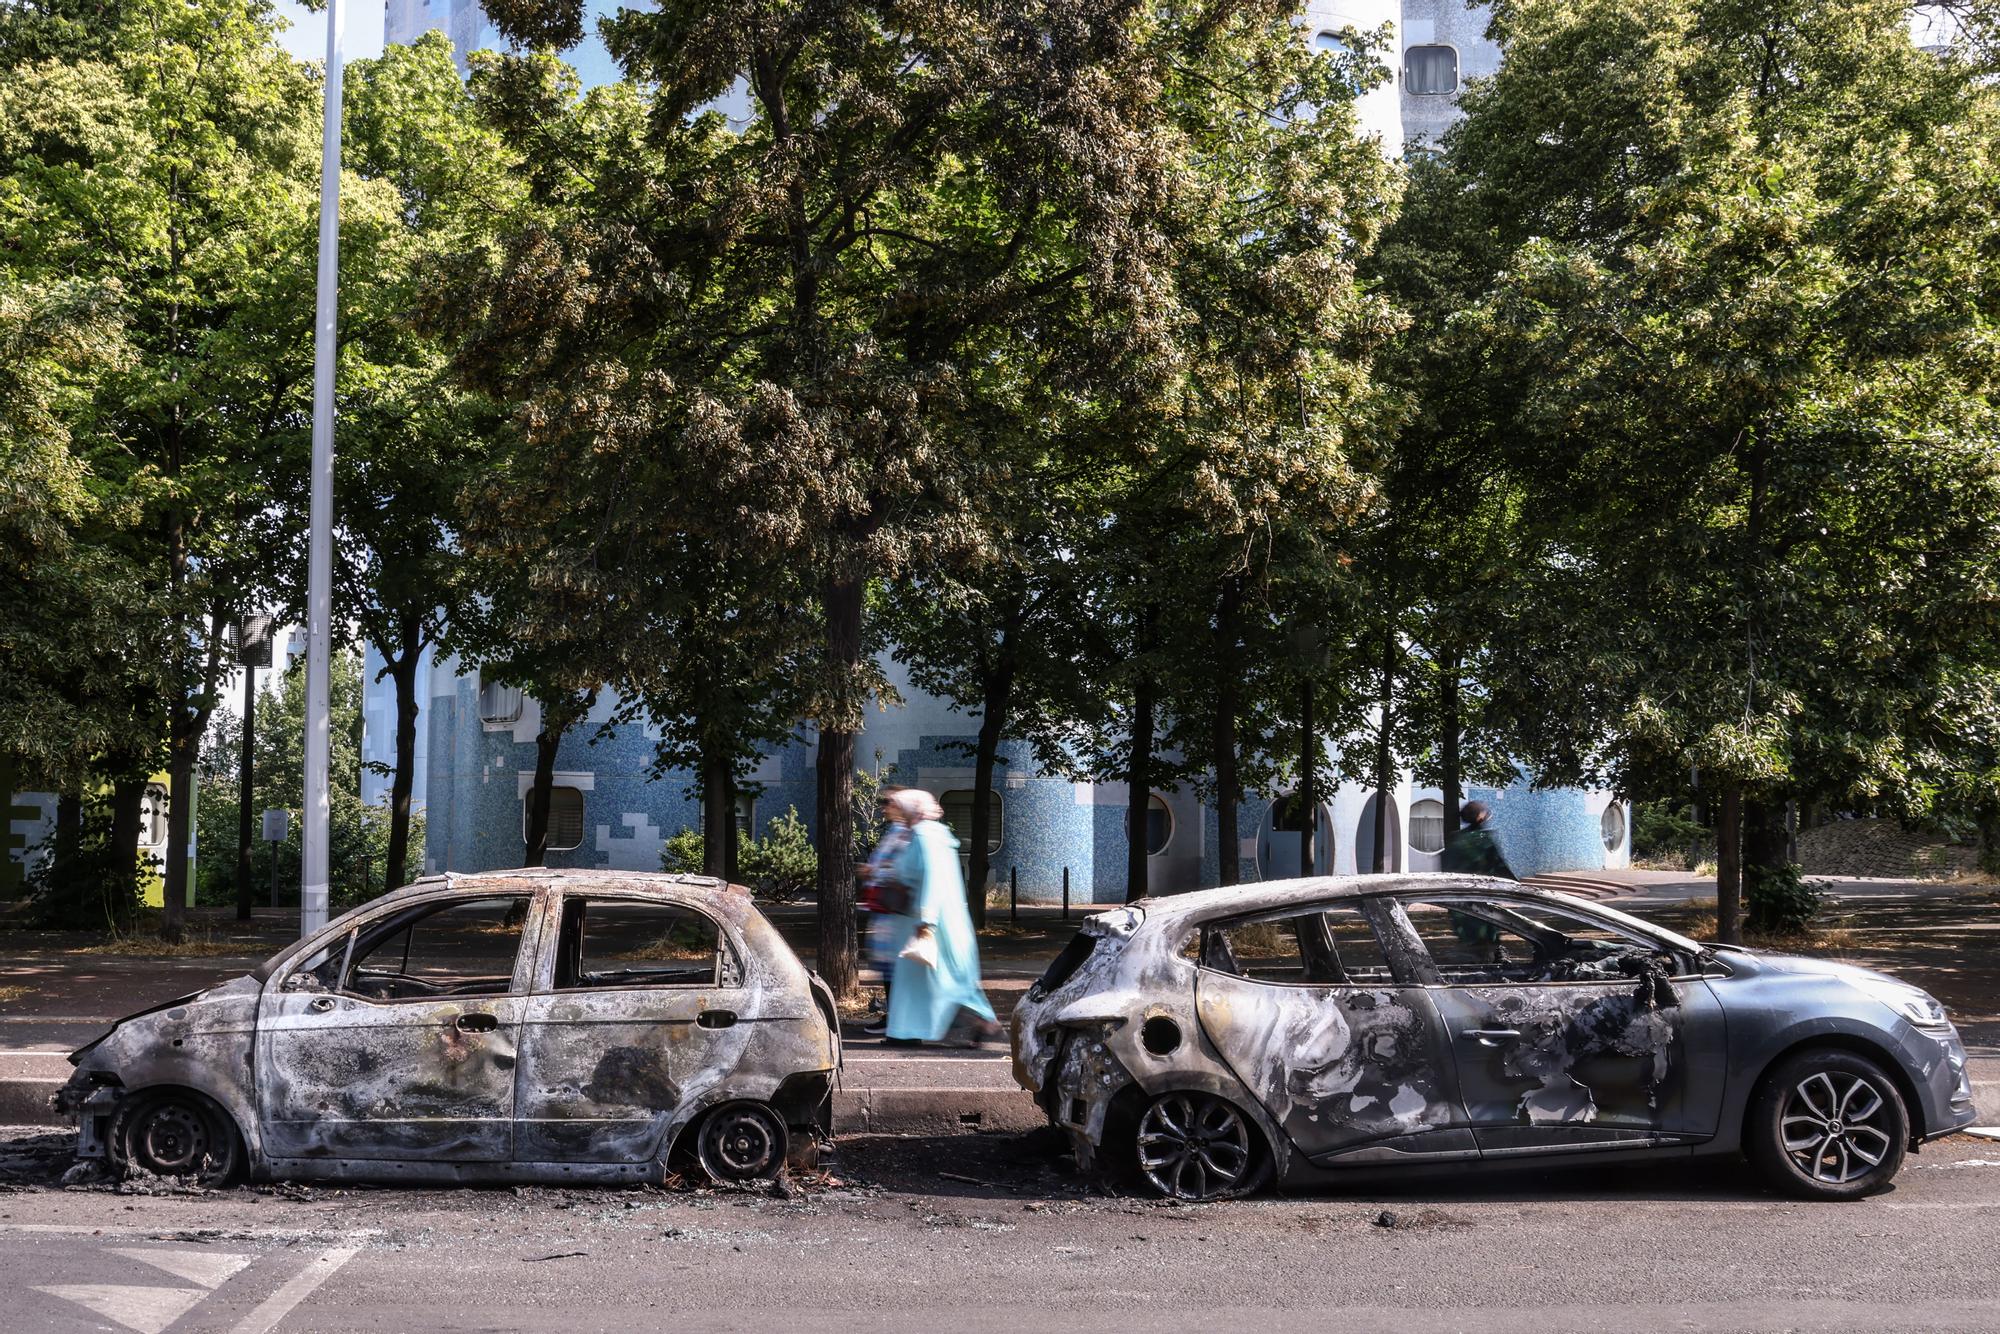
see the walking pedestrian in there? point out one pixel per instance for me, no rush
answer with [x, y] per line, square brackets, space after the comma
[1473, 849]
[937, 969]
[886, 901]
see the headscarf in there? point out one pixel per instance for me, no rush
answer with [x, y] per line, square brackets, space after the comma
[913, 805]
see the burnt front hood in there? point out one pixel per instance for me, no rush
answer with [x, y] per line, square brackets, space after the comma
[234, 986]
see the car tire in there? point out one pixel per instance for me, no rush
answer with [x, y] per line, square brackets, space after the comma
[1827, 1124]
[1198, 1146]
[740, 1141]
[176, 1133]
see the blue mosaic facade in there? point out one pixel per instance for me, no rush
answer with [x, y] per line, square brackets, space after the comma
[477, 773]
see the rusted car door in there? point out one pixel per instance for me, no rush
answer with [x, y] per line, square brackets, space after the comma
[1567, 1032]
[408, 1051]
[638, 1007]
[1305, 1009]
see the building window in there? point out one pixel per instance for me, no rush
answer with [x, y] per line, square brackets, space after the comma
[498, 703]
[1159, 826]
[958, 817]
[1427, 825]
[1330, 43]
[1430, 70]
[746, 815]
[565, 818]
[1612, 826]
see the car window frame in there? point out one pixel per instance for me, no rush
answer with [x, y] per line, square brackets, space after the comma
[730, 968]
[1361, 908]
[527, 945]
[1445, 898]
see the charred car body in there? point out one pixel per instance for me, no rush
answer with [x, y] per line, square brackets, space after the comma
[511, 1026]
[1306, 1028]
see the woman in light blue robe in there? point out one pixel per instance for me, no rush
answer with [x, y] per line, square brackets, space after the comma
[925, 1000]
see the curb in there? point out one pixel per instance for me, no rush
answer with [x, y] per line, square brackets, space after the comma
[889, 1111]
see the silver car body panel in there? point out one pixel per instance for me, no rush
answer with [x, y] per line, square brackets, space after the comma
[544, 1084]
[1662, 1062]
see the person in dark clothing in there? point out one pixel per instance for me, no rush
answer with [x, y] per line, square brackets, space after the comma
[1473, 850]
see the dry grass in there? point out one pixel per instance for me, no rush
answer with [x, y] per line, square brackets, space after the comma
[13, 993]
[666, 948]
[194, 946]
[1824, 936]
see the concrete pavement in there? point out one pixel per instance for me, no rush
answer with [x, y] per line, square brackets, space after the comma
[992, 1232]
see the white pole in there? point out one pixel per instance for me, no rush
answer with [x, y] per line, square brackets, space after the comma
[319, 572]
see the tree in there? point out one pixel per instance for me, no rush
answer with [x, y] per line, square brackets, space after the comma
[167, 157]
[411, 440]
[794, 340]
[1744, 257]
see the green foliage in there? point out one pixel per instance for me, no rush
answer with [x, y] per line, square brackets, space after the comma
[358, 834]
[1664, 831]
[1782, 901]
[781, 865]
[682, 853]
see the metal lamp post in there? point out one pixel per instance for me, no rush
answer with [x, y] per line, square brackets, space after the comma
[319, 573]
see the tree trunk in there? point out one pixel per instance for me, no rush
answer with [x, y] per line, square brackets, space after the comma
[1228, 784]
[835, 795]
[69, 843]
[1763, 852]
[403, 671]
[121, 875]
[245, 772]
[1384, 755]
[732, 837]
[716, 816]
[992, 719]
[546, 742]
[1450, 728]
[1306, 798]
[1139, 788]
[180, 823]
[1729, 867]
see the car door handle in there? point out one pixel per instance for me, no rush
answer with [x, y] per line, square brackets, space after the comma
[320, 1004]
[476, 1022]
[1490, 1036]
[716, 1018]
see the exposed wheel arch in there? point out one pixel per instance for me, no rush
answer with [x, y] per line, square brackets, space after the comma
[1906, 1089]
[149, 1126]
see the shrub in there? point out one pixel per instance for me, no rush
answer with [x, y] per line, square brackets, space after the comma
[684, 853]
[1663, 832]
[782, 864]
[1782, 901]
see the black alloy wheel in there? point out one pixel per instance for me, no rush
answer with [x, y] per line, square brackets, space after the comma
[1197, 1146]
[1828, 1125]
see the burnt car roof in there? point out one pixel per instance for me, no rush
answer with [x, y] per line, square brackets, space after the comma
[578, 876]
[1273, 895]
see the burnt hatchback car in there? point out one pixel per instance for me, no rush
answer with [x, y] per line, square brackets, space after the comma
[1309, 1028]
[542, 1025]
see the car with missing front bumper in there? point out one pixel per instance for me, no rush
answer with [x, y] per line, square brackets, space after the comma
[535, 1025]
[1306, 1029]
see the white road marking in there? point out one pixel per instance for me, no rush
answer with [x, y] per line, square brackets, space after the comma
[295, 1290]
[211, 1269]
[147, 1310]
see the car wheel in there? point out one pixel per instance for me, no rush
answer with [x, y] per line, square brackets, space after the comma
[1196, 1146]
[741, 1141]
[176, 1133]
[1828, 1125]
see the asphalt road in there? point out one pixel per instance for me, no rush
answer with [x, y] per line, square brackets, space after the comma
[989, 1233]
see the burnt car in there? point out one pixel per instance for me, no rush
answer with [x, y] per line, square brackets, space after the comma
[537, 1025]
[1307, 1029]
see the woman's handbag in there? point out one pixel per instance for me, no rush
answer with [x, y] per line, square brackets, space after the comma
[921, 949]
